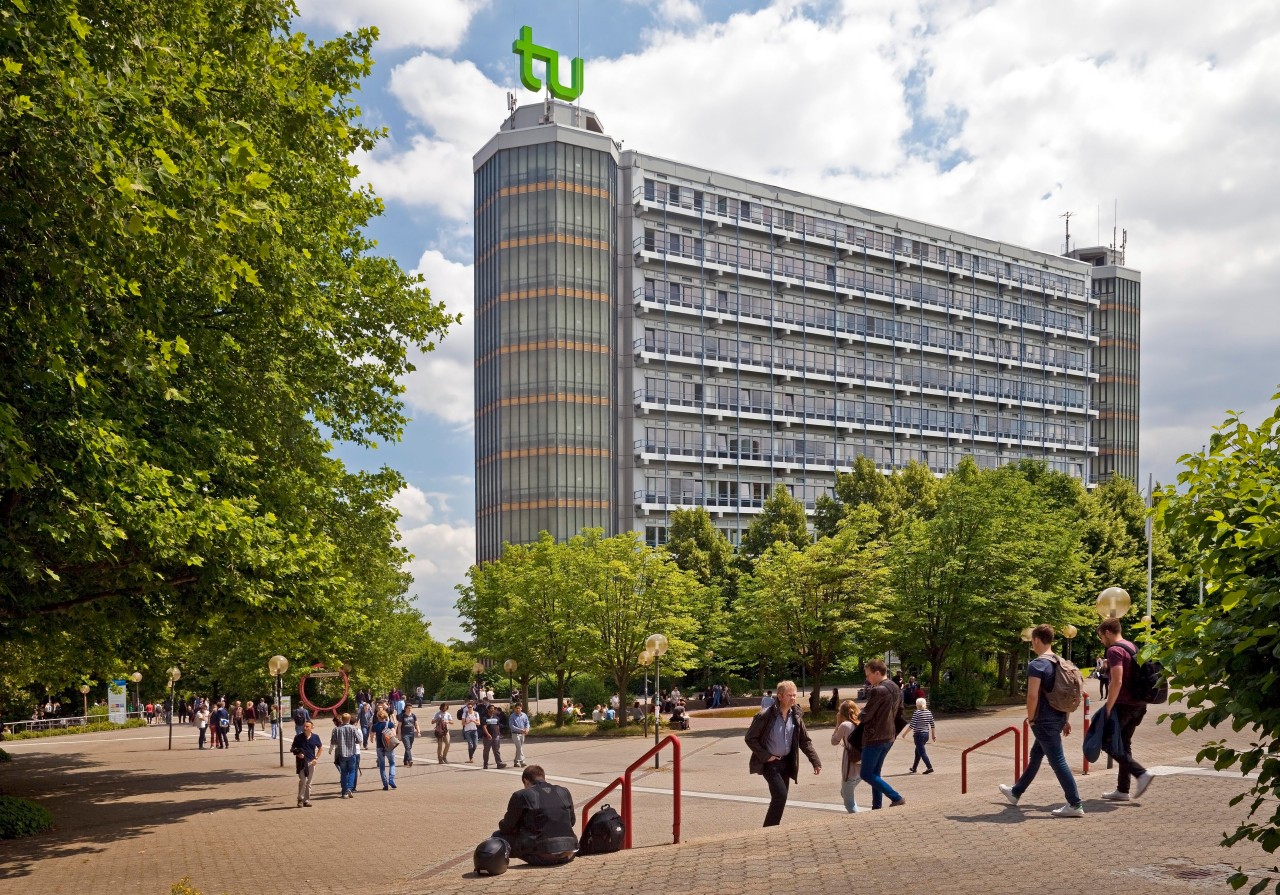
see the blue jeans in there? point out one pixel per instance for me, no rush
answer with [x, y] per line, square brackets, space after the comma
[364, 732]
[347, 773]
[473, 739]
[387, 767]
[407, 739]
[1048, 744]
[847, 792]
[922, 739]
[872, 762]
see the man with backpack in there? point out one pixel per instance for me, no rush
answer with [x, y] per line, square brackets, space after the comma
[1052, 684]
[1127, 706]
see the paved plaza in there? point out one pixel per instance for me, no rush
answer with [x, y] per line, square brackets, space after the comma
[134, 816]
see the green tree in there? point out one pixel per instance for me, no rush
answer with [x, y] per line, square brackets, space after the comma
[1223, 658]
[811, 605]
[529, 605]
[781, 519]
[863, 484]
[189, 311]
[697, 546]
[993, 558]
[630, 591]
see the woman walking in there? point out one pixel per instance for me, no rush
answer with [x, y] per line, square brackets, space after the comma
[386, 757]
[440, 723]
[846, 721]
[408, 722]
[922, 731]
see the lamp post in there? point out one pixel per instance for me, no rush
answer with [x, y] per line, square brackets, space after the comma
[278, 665]
[510, 667]
[646, 659]
[1070, 632]
[1026, 638]
[174, 676]
[657, 645]
[84, 691]
[136, 677]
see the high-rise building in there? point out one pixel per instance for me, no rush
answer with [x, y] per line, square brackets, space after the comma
[653, 335]
[1116, 360]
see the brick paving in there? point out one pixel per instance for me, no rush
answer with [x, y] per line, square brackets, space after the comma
[134, 816]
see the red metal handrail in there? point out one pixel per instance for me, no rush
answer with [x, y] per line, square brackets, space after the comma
[597, 799]
[1017, 755]
[625, 782]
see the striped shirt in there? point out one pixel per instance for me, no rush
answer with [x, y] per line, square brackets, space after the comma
[922, 721]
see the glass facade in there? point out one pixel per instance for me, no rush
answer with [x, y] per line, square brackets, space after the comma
[1116, 393]
[545, 272]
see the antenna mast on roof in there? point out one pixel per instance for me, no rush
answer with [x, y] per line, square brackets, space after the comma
[1067, 216]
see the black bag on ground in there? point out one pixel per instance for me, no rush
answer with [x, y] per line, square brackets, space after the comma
[604, 833]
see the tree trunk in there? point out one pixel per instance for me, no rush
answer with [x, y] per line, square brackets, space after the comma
[560, 688]
[621, 679]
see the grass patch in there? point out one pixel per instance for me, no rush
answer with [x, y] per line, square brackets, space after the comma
[67, 731]
[18, 818]
[580, 731]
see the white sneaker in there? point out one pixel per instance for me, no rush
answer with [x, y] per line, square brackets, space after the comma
[1141, 784]
[1068, 811]
[1116, 796]
[1007, 791]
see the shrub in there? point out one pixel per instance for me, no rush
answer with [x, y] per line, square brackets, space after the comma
[87, 728]
[452, 691]
[590, 692]
[5, 756]
[184, 887]
[963, 694]
[606, 725]
[18, 818]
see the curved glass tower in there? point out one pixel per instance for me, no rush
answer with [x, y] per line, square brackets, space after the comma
[545, 272]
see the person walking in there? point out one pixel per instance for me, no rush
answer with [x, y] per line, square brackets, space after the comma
[440, 723]
[250, 717]
[923, 729]
[261, 711]
[237, 718]
[884, 701]
[345, 745]
[386, 757]
[202, 723]
[519, 724]
[407, 725]
[1048, 725]
[850, 757]
[274, 714]
[1127, 709]
[1104, 676]
[470, 718]
[365, 713]
[221, 721]
[491, 732]
[306, 751]
[420, 692]
[776, 738]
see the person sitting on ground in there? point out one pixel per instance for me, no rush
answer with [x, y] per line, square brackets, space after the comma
[679, 717]
[637, 712]
[538, 825]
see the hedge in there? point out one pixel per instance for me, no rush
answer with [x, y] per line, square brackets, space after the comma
[18, 818]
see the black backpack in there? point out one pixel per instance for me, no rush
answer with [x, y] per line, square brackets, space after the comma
[604, 833]
[1148, 684]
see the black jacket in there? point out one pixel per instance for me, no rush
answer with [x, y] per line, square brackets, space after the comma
[539, 820]
[760, 725]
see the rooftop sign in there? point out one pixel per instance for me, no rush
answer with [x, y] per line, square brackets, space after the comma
[529, 52]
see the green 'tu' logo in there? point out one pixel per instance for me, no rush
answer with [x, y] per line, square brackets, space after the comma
[528, 51]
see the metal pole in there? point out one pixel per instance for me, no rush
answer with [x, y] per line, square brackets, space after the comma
[171, 700]
[1150, 495]
[657, 688]
[280, 715]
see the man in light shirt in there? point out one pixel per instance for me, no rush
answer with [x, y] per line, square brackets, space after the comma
[776, 738]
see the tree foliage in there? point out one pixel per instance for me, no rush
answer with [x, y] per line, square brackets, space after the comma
[188, 311]
[781, 519]
[1224, 657]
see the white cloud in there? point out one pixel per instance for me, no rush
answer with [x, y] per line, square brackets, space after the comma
[435, 24]
[442, 551]
[442, 383]
[673, 12]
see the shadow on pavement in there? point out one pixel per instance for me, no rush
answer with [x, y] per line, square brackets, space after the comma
[94, 808]
[1009, 814]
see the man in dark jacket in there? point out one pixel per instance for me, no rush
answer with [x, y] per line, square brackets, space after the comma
[776, 738]
[539, 821]
[884, 702]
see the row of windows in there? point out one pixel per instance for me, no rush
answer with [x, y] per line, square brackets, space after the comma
[552, 317]
[549, 424]
[771, 358]
[550, 370]
[551, 211]
[698, 201]
[770, 264]
[822, 314]
[696, 344]
[534, 478]
[766, 400]
[525, 526]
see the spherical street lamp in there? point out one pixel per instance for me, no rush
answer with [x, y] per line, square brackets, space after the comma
[657, 645]
[278, 665]
[1070, 632]
[1113, 603]
[510, 667]
[174, 676]
[84, 691]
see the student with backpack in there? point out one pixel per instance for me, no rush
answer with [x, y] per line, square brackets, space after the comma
[1127, 702]
[1050, 718]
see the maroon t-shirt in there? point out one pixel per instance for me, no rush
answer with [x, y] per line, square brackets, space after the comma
[1118, 657]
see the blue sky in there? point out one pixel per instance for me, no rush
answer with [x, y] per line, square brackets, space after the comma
[993, 117]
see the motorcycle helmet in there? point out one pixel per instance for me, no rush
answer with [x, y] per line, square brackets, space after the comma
[492, 856]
